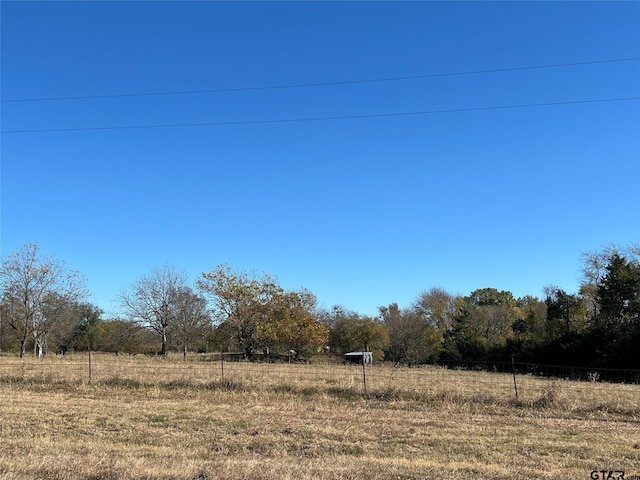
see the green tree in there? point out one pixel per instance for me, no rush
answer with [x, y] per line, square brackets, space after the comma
[350, 331]
[491, 297]
[120, 336]
[618, 295]
[87, 331]
[292, 324]
[240, 301]
[531, 318]
[461, 342]
[491, 313]
[594, 268]
[566, 313]
[618, 320]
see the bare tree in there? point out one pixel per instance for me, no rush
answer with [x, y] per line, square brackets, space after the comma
[35, 290]
[412, 340]
[437, 307]
[191, 317]
[153, 301]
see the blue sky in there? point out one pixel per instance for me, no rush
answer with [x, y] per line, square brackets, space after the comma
[362, 211]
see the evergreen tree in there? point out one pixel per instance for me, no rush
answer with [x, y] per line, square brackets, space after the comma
[619, 295]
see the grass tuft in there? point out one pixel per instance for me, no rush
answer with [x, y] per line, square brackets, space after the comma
[549, 398]
[124, 383]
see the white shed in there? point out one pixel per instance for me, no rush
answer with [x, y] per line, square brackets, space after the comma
[359, 358]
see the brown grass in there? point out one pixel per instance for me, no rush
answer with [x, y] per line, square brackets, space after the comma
[153, 419]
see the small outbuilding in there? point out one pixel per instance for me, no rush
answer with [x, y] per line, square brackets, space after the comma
[359, 358]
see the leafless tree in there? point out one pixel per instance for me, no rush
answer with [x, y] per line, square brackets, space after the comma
[412, 340]
[35, 291]
[436, 307]
[153, 301]
[191, 318]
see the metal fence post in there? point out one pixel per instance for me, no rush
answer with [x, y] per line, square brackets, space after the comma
[221, 366]
[364, 375]
[90, 369]
[513, 368]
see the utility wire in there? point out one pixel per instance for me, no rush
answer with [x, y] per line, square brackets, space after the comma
[320, 84]
[314, 119]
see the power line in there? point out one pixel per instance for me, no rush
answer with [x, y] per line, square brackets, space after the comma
[319, 84]
[314, 119]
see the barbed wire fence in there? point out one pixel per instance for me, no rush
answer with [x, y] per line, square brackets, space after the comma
[500, 381]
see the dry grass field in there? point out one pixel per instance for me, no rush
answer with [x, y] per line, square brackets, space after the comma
[145, 418]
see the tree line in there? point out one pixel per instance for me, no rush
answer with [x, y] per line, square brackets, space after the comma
[42, 310]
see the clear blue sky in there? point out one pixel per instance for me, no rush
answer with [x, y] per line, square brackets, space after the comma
[361, 211]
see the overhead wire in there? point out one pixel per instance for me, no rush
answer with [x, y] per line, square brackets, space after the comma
[319, 84]
[327, 118]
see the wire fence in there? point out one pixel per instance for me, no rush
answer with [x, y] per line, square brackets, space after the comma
[499, 381]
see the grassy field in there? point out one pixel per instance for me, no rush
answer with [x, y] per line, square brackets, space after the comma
[142, 418]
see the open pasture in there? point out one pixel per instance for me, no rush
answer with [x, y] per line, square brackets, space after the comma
[149, 418]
